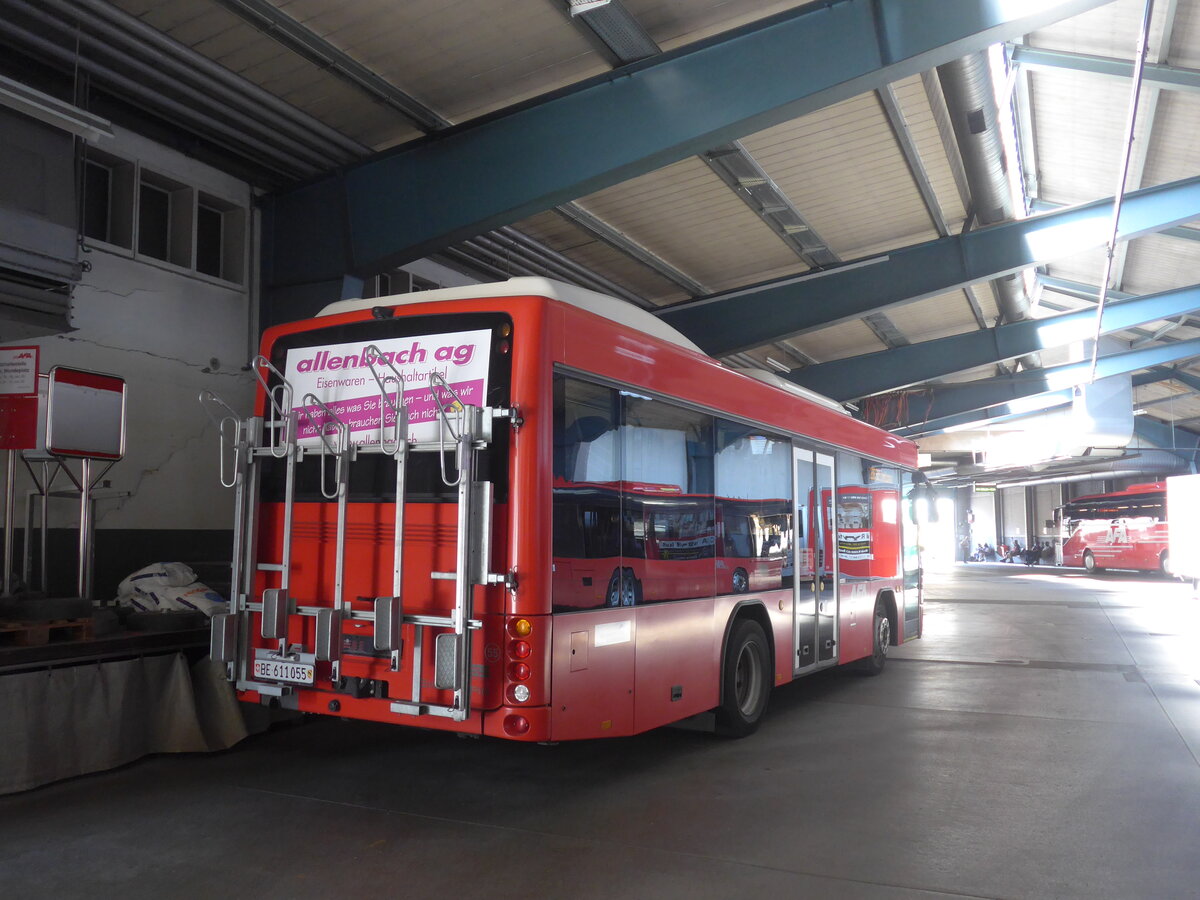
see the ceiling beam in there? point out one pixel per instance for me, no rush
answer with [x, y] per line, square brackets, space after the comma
[1160, 401]
[1175, 373]
[1177, 231]
[1183, 444]
[1005, 412]
[1153, 74]
[912, 156]
[749, 317]
[889, 370]
[942, 401]
[416, 199]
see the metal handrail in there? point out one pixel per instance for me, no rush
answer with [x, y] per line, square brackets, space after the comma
[436, 380]
[281, 406]
[207, 399]
[399, 410]
[339, 451]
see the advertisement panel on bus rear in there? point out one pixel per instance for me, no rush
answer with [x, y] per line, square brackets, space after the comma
[340, 376]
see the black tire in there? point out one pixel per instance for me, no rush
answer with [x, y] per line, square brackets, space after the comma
[1089, 563]
[1164, 564]
[881, 639]
[745, 680]
[741, 581]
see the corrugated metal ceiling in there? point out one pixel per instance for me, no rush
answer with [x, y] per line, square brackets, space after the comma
[842, 168]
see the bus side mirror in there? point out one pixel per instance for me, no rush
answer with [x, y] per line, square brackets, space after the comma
[922, 493]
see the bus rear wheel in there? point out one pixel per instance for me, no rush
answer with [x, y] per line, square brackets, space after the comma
[745, 680]
[1089, 563]
[623, 588]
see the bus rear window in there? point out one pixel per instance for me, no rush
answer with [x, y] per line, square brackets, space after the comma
[339, 366]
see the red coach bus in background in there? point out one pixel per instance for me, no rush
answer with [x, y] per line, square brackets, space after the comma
[530, 511]
[1121, 530]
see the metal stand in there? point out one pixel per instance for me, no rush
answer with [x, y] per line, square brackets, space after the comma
[85, 486]
[10, 490]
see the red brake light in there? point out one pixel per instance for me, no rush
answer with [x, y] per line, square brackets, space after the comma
[519, 671]
[520, 649]
[516, 725]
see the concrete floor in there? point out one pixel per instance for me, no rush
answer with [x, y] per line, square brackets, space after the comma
[1041, 741]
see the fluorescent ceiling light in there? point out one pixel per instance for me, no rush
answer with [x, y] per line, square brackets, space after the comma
[53, 111]
[579, 7]
[778, 365]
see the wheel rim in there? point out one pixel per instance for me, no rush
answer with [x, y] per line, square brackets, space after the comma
[1165, 563]
[1089, 561]
[628, 591]
[748, 679]
[883, 637]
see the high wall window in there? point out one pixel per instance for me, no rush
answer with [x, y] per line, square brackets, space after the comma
[133, 207]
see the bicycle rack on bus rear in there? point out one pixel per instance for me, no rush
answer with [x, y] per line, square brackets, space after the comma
[252, 440]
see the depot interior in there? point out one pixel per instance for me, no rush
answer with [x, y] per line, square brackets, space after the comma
[929, 238]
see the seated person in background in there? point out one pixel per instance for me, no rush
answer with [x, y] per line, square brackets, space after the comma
[1015, 551]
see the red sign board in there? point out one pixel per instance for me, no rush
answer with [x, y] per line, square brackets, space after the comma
[18, 398]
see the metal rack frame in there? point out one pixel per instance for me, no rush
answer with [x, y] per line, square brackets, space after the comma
[246, 442]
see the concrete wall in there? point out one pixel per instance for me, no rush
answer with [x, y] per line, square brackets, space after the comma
[171, 333]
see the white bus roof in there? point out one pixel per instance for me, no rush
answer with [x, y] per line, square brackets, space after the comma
[593, 301]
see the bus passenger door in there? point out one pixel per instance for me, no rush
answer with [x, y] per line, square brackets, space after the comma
[826, 580]
[815, 627]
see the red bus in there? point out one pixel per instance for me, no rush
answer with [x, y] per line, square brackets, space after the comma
[531, 511]
[1122, 530]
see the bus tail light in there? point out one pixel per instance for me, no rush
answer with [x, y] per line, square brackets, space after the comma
[520, 627]
[525, 659]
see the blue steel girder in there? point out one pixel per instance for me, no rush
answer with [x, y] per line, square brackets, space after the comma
[943, 401]
[889, 370]
[502, 167]
[1157, 74]
[1005, 412]
[1183, 444]
[750, 317]
[1166, 373]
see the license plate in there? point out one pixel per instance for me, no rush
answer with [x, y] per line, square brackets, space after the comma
[282, 670]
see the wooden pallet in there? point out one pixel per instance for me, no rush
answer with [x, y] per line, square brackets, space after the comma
[36, 634]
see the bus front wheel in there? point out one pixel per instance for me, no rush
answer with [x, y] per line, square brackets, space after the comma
[882, 639]
[1164, 564]
[746, 680]
[1089, 563]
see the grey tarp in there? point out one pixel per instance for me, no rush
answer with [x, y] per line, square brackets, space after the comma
[61, 722]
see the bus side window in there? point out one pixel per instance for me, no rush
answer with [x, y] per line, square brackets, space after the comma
[587, 513]
[754, 509]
